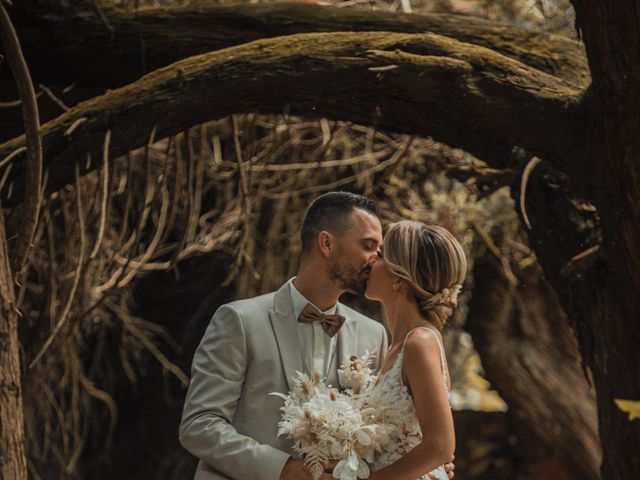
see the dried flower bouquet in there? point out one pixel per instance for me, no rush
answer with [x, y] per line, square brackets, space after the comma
[327, 424]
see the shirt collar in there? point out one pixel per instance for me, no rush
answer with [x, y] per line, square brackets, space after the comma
[299, 301]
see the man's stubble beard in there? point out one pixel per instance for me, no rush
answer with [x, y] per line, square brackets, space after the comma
[349, 278]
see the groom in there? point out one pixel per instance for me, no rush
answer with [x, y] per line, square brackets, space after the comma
[254, 347]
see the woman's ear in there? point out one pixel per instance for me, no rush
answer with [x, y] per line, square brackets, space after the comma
[400, 285]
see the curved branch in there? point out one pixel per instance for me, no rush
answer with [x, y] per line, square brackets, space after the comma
[62, 45]
[33, 142]
[139, 39]
[463, 95]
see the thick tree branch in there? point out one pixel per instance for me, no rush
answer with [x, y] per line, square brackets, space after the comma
[62, 45]
[463, 95]
[143, 40]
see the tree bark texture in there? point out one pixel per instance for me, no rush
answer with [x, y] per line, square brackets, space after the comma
[612, 37]
[12, 438]
[62, 45]
[13, 463]
[530, 356]
[33, 151]
[463, 95]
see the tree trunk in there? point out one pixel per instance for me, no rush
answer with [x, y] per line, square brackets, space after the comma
[572, 243]
[13, 463]
[612, 37]
[530, 356]
[12, 438]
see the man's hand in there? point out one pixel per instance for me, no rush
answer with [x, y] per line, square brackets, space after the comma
[330, 466]
[295, 470]
[448, 467]
[328, 470]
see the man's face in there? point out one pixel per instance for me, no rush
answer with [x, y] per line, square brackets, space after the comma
[356, 252]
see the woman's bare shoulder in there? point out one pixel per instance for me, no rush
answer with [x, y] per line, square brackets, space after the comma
[422, 343]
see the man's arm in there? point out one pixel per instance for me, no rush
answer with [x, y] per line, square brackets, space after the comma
[217, 376]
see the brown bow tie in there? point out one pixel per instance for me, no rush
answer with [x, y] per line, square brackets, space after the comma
[329, 323]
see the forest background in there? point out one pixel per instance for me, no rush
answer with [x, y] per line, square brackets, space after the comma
[135, 205]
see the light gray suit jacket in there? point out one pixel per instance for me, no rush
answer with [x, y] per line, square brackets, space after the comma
[249, 350]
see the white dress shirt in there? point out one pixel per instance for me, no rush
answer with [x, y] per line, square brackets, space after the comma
[317, 347]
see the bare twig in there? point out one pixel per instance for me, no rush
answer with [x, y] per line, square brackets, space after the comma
[5, 175]
[101, 14]
[53, 97]
[493, 248]
[105, 398]
[583, 260]
[526, 173]
[76, 280]
[338, 183]
[391, 169]
[33, 176]
[287, 167]
[180, 149]
[74, 125]
[129, 323]
[105, 195]
[154, 241]
[12, 155]
[16, 103]
[196, 179]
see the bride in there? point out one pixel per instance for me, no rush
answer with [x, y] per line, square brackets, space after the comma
[416, 278]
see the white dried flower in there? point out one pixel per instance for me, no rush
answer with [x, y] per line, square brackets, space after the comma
[326, 424]
[356, 374]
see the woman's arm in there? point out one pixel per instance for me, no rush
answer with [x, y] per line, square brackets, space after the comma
[423, 374]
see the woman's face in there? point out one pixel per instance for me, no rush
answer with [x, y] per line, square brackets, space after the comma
[380, 284]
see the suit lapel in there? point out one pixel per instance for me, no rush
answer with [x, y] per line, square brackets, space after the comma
[347, 342]
[285, 329]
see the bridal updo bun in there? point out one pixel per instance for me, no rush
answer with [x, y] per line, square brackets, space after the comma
[431, 261]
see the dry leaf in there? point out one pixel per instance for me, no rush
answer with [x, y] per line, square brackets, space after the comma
[632, 407]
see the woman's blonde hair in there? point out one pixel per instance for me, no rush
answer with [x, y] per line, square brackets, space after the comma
[431, 261]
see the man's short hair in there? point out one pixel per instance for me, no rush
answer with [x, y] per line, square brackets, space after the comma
[331, 212]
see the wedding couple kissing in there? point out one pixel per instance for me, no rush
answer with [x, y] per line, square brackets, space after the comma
[254, 347]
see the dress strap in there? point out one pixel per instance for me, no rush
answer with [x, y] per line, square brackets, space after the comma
[440, 348]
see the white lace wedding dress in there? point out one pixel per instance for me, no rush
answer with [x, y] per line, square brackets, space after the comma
[392, 392]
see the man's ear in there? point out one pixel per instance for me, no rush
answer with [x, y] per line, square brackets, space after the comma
[325, 244]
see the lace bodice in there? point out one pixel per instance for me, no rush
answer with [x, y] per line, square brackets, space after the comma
[392, 392]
